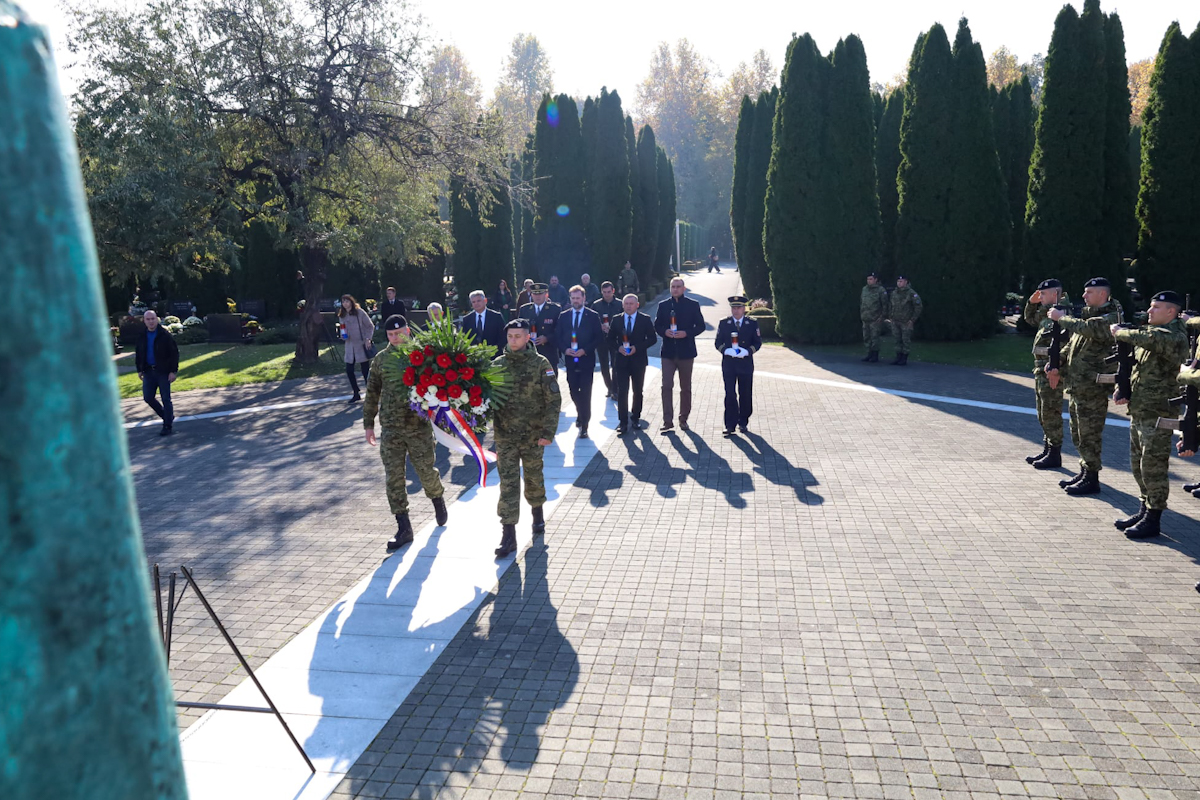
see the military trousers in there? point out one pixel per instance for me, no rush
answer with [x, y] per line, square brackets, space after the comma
[1088, 407]
[1149, 458]
[1049, 405]
[871, 331]
[902, 333]
[511, 456]
[417, 447]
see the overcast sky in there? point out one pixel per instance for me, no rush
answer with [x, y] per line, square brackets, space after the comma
[594, 44]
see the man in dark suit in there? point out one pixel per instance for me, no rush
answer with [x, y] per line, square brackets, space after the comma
[157, 360]
[629, 337]
[391, 306]
[738, 340]
[679, 321]
[483, 323]
[579, 335]
[543, 317]
[609, 308]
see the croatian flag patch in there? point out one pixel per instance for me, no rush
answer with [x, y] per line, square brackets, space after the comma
[550, 373]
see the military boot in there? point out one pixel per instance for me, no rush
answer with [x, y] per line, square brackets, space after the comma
[1147, 527]
[904, 359]
[1045, 449]
[1065, 482]
[898, 360]
[439, 510]
[1129, 522]
[539, 522]
[872, 356]
[508, 542]
[1191, 487]
[1088, 484]
[1051, 460]
[404, 533]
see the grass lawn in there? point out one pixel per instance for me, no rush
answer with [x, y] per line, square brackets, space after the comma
[205, 366]
[1001, 352]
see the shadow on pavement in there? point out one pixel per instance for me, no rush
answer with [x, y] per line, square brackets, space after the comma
[773, 466]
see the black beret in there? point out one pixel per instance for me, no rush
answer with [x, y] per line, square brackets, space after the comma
[901, 278]
[1050, 283]
[539, 288]
[1101, 282]
[1168, 297]
[738, 300]
[873, 275]
[517, 325]
[395, 322]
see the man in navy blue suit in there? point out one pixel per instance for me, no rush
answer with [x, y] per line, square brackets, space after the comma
[579, 335]
[679, 321]
[486, 325]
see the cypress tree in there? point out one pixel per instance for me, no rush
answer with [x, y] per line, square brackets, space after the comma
[1064, 212]
[1168, 208]
[878, 103]
[466, 230]
[755, 278]
[637, 206]
[527, 263]
[515, 178]
[1012, 117]
[495, 244]
[665, 174]
[561, 209]
[645, 231]
[1118, 220]
[887, 164]
[741, 169]
[608, 195]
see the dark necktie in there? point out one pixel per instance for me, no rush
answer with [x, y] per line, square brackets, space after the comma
[628, 324]
[576, 320]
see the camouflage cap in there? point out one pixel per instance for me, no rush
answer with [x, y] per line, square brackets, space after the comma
[1049, 283]
[1168, 297]
[395, 322]
[517, 325]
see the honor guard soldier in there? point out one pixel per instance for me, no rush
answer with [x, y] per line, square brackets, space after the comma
[1159, 348]
[872, 308]
[905, 308]
[523, 426]
[738, 340]
[542, 316]
[404, 434]
[1047, 398]
[1088, 378]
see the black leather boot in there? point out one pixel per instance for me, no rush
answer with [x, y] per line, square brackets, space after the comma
[898, 360]
[508, 542]
[404, 533]
[539, 522]
[1088, 484]
[1045, 449]
[439, 510]
[1191, 487]
[872, 356]
[904, 360]
[1129, 522]
[1052, 459]
[1147, 527]
[1065, 482]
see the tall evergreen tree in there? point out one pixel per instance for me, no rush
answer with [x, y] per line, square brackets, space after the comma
[527, 261]
[607, 194]
[645, 230]
[560, 224]
[637, 205]
[467, 231]
[1012, 118]
[516, 178]
[1064, 212]
[887, 164]
[1168, 208]
[665, 173]
[741, 170]
[495, 243]
[1118, 220]
[755, 278]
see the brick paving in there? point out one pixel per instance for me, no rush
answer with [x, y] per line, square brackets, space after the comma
[866, 597]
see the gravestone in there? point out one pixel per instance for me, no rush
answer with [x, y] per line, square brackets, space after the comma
[328, 304]
[224, 327]
[255, 308]
[181, 309]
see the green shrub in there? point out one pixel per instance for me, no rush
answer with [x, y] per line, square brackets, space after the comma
[192, 334]
[761, 311]
[289, 335]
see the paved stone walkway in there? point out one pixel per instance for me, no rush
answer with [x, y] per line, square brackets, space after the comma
[866, 597]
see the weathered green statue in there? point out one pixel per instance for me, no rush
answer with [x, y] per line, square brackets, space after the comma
[87, 710]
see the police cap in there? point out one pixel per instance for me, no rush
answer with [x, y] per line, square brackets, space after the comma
[539, 288]
[738, 300]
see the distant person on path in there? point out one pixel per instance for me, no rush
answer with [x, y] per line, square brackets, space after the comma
[404, 434]
[391, 306]
[505, 303]
[904, 310]
[558, 293]
[714, 260]
[357, 330]
[579, 335]
[872, 308]
[627, 281]
[591, 292]
[1047, 398]
[526, 294]
[609, 308]
[679, 321]
[738, 340]
[157, 360]
[630, 336]
[523, 427]
[485, 324]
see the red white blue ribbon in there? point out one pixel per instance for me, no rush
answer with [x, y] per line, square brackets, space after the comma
[460, 439]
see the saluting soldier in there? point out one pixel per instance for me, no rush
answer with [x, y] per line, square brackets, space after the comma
[1088, 379]
[523, 426]
[542, 316]
[1159, 348]
[905, 308]
[872, 307]
[1048, 399]
[404, 434]
[738, 340]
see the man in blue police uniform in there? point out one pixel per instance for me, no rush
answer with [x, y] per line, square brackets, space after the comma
[738, 340]
[542, 316]
[579, 335]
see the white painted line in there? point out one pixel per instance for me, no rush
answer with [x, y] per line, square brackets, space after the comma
[239, 411]
[343, 677]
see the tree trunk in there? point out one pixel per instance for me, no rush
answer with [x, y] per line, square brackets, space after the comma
[315, 261]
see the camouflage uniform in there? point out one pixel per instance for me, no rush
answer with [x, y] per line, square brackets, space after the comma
[1082, 360]
[404, 432]
[529, 414]
[905, 308]
[872, 305]
[1159, 351]
[1049, 401]
[627, 282]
